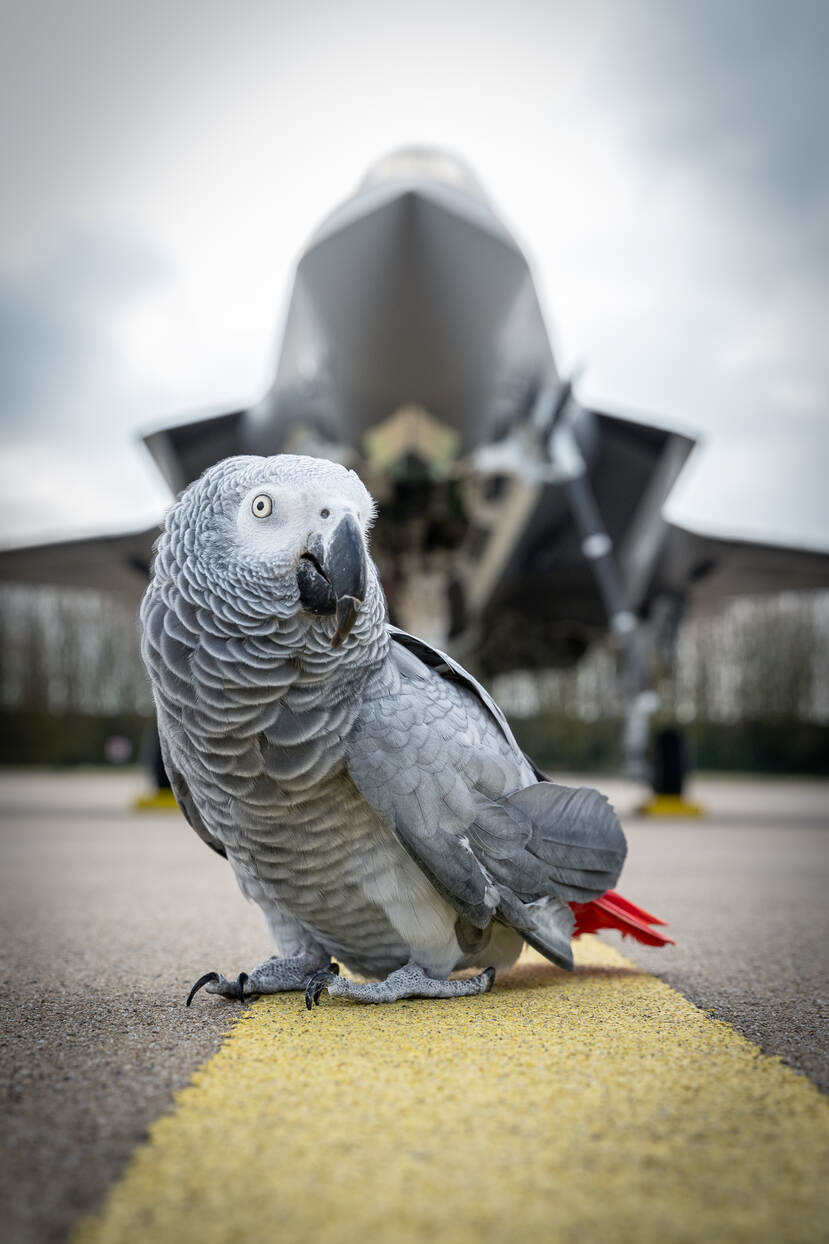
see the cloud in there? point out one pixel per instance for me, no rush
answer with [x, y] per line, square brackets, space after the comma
[738, 90]
[67, 416]
[727, 102]
[60, 370]
[664, 162]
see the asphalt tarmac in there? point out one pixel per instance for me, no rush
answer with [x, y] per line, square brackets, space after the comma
[107, 917]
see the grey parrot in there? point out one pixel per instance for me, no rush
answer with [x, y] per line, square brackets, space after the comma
[366, 790]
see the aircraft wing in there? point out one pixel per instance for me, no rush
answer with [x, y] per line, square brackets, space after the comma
[181, 452]
[119, 563]
[709, 569]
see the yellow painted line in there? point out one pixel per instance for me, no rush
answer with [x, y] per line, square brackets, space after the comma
[598, 1106]
[159, 801]
[671, 805]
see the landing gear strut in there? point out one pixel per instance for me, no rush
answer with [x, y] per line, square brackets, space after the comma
[670, 769]
[162, 798]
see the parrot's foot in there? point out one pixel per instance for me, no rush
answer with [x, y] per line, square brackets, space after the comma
[408, 982]
[275, 975]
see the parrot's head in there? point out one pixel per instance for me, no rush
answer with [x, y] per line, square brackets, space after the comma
[285, 535]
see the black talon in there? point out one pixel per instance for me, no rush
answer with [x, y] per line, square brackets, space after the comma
[317, 983]
[490, 974]
[203, 980]
[242, 981]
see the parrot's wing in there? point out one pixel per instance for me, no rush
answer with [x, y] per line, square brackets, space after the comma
[435, 757]
[451, 670]
[184, 799]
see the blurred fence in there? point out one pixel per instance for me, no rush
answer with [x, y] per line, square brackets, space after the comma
[71, 679]
[67, 651]
[751, 686]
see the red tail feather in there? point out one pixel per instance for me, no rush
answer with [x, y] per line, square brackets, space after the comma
[612, 911]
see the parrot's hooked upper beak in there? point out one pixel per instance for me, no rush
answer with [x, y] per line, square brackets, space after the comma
[331, 575]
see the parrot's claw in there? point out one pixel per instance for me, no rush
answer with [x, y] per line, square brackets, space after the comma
[208, 976]
[318, 982]
[275, 975]
[219, 984]
[410, 981]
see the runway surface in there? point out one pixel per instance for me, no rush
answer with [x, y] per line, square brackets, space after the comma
[107, 917]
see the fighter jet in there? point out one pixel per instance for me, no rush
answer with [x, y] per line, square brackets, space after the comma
[517, 526]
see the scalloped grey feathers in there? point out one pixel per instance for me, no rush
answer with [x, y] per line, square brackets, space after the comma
[436, 759]
[370, 797]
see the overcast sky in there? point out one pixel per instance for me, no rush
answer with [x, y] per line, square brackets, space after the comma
[665, 165]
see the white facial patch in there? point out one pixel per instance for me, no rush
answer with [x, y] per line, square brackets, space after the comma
[278, 517]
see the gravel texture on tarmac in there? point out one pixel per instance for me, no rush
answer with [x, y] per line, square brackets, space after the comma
[108, 916]
[746, 893]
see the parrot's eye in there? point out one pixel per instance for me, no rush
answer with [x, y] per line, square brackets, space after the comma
[262, 506]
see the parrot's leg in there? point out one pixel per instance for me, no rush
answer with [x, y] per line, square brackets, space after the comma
[275, 975]
[408, 982]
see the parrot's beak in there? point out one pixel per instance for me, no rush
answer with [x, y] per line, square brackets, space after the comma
[332, 576]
